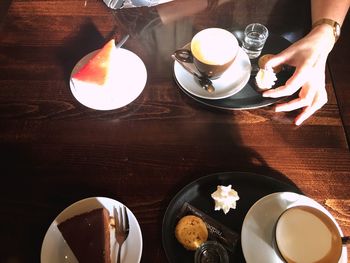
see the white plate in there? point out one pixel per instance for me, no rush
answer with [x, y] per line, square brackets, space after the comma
[231, 81]
[258, 226]
[55, 249]
[128, 81]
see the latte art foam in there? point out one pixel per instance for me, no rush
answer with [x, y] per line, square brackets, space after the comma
[214, 46]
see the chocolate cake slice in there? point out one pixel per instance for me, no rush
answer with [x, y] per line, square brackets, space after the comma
[88, 236]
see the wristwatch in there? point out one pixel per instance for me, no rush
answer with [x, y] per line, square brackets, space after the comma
[334, 24]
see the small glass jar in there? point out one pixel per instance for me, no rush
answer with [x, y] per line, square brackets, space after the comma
[211, 252]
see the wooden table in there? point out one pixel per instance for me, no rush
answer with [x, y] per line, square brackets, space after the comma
[55, 151]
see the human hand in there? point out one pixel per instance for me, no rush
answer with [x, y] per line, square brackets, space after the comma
[308, 56]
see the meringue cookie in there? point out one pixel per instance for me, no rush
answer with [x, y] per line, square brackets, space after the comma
[265, 79]
[225, 198]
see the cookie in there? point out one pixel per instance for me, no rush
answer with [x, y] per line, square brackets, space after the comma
[191, 232]
[265, 79]
[264, 58]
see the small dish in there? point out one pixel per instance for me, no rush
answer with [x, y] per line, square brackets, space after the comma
[258, 226]
[130, 80]
[232, 80]
[55, 250]
[211, 251]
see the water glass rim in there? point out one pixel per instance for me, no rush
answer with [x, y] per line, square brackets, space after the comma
[257, 27]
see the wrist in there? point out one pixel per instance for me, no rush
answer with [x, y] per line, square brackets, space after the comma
[323, 34]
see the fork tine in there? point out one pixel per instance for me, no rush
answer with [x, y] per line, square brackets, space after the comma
[121, 224]
[126, 219]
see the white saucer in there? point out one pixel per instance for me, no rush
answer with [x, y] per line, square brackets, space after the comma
[258, 226]
[55, 249]
[129, 79]
[231, 81]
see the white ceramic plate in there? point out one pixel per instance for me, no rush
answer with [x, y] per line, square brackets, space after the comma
[231, 81]
[258, 226]
[128, 81]
[55, 249]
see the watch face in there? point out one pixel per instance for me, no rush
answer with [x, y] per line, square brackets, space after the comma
[332, 23]
[337, 30]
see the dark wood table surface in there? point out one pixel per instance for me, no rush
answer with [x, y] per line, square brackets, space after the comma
[55, 151]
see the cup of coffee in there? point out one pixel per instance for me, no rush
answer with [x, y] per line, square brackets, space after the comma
[212, 50]
[306, 234]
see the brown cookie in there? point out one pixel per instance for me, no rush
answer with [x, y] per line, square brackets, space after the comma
[264, 58]
[191, 232]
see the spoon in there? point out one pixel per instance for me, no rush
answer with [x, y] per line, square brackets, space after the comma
[205, 82]
[122, 41]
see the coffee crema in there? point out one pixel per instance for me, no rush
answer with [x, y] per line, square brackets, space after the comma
[214, 46]
[305, 234]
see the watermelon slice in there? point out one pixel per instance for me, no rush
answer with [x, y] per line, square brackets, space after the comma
[95, 71]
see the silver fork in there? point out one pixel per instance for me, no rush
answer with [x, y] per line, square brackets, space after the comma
[114, 4]
[121, 227]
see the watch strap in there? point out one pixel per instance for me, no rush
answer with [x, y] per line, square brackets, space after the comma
[334, 24]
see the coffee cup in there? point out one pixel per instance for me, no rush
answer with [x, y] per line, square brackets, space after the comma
[212, 50]
[306, 234]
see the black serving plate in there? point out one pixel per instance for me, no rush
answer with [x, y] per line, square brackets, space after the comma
[250, 187]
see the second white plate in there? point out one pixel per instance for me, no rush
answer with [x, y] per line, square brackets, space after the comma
[55, 249]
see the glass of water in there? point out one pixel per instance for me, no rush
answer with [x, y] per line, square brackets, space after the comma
[255, 36]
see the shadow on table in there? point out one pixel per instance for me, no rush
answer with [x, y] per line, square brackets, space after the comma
[21, 205]
[77, 46]
[4, 6]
